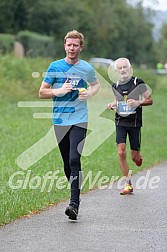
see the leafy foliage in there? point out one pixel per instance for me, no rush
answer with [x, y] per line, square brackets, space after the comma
[6, 43]
[111, 28]
[36, 44]
[162, 44]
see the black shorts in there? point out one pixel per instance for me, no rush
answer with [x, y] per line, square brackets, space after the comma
[134, 134]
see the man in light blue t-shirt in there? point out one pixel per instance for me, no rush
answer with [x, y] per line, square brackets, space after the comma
[70, 82]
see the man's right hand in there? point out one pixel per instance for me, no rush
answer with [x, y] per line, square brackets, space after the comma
[112, 105]
[66, 88]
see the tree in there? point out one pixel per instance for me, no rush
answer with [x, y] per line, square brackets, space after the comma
[162, 44]
[112, 28]
[13, 16]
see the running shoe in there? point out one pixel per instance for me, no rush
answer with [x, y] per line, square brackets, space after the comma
[128, 189]
[72, 212]
[139, 162]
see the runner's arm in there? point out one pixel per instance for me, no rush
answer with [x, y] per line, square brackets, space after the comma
[46, 92]
[91, 91]
[147, 99]
[113, 105]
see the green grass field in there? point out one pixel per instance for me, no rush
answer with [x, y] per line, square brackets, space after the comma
[24, 192]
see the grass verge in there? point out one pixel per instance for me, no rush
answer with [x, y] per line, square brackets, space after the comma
[23, 192]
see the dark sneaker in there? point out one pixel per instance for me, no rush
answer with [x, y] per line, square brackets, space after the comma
[72, 212]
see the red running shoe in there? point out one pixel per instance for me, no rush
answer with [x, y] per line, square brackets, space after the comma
[139, 162]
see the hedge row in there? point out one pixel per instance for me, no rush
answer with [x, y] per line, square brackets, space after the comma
[34, 44]
[7, 42]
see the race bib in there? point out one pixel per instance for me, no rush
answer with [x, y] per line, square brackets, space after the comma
[124, 109]
[77, 82]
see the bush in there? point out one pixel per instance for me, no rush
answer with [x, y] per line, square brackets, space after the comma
[6, 43]
[36, 44]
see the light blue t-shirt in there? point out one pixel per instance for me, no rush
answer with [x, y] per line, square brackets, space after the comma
[68, 109]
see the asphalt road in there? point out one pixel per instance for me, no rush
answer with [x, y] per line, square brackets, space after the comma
[107, 221]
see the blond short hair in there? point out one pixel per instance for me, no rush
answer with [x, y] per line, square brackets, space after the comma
[75, 34]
